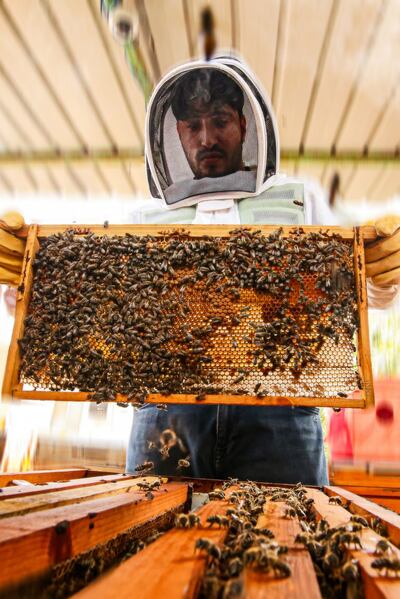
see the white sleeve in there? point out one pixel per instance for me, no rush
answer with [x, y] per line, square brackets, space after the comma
[381, 297]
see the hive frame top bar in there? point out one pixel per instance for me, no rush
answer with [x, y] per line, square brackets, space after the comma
[368, 233]
[360, 399]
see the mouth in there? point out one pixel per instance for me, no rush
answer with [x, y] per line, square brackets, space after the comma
[211, 157]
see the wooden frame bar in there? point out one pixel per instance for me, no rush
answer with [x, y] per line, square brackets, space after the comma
[358, 399]
[169, 567]
[364, 507]
[44, 476]
[364, 352]
[18, 506]
[303, 581]
[374, 584]
[37, 488]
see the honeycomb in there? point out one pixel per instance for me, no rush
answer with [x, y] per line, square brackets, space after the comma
[246, 314]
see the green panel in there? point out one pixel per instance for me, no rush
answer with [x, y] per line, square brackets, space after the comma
[274, 207]
[180, 216]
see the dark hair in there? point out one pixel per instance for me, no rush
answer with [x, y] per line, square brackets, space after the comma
[199, 90]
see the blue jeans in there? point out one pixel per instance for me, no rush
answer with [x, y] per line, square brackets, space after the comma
[271, 444]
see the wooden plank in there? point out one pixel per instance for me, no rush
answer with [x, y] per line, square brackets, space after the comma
[373, 491]
[21, 115]
[131, 89]
[387, 185]
[41, 173]
[310, 170]
[19, 177]
[26, 79]
[36, 27]
[353, 25]
[85, 45]
[10, 379]
[374, 585]
[364, 507]
[364, 479]
[169, 567]
[65, 181]
[42, 476]
[30, 544]
[284, 529]
[13, 138]
[364, 177]
[24, 505]
[303, 44]
[364, 352]
[302, 582]
[38, 488]
[378, 77]
[258, 29]
[90, 178]
[165, 17]
[116, 178]
[386, 136]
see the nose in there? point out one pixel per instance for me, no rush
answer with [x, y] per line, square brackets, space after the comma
[207, 135]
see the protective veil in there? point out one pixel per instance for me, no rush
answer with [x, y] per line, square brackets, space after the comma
[210, 134]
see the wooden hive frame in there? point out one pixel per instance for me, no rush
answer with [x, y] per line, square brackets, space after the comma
[359, 399]
[41, 526]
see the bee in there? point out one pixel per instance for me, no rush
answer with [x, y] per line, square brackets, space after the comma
[233, 588]
[216, 494]
[211, 548]
[379, 527]
[183, 463]
[335, 500]
[359, 520]
[383, 547]
[184, 520]
[290, 512]
[350, 570]
[151, 445]
[331, 561]
[145, 466]
[387, 564]
[200, 396]
[162, 406]
[222, 521]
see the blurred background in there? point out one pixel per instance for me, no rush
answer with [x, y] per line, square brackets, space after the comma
[71, 151]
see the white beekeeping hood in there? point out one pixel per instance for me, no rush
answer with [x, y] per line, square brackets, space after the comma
[210, 134]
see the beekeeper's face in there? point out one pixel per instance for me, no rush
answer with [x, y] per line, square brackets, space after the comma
[212, 141]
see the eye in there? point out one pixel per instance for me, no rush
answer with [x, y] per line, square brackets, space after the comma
[193, 125]
[220, 122]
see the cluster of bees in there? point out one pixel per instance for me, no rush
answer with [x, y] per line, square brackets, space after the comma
[148, 314]
[247, 546]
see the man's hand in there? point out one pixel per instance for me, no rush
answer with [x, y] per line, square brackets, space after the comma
[11, 248]
[383, 256]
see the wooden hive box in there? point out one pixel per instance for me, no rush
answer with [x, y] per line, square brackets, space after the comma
[70, 536]
[233, 344]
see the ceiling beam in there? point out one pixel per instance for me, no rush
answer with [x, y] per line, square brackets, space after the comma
[39, 157]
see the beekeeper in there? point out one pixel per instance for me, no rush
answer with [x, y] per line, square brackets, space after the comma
[212, 157]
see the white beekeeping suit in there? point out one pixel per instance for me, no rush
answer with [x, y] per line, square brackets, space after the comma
[259, 195]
